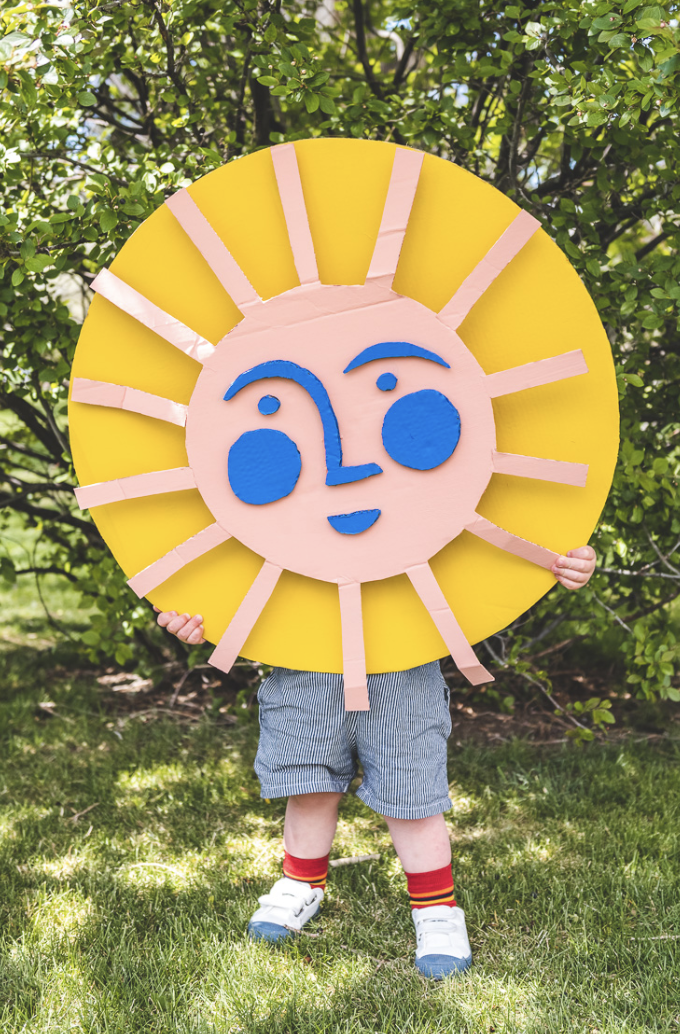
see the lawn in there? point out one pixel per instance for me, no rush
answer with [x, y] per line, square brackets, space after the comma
[132, 850]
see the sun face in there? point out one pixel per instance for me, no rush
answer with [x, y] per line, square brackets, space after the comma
[343, 433]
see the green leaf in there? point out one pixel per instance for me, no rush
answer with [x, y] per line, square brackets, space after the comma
[327, 105]
[86, 99]
[267, 80]
[630, 5]
[311, 102]
[107, 219]
[596, 117]
[607, 21]
[271, 32]
[17, 277]
[38, 263]
[513, 12]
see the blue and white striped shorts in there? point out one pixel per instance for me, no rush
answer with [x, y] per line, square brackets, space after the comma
[310, 744]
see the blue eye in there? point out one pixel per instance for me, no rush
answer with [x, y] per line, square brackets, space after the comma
[263, 466]
[421, 430]
[268, 404]
[386, 382]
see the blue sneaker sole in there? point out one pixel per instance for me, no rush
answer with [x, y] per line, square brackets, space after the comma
[272, 932]
[440, 966]
[269, 932]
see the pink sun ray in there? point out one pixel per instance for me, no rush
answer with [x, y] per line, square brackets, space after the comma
[353, 652]
[295, 212]
[137, 305]
[155, 574]
[431, 595]
[132, 400]
[157, 482]
[401, 192]
[215, 252]
[534, 375]
[244, 620]
[508, 245]
[558, 471]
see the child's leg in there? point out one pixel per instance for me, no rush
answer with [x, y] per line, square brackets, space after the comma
[422, 844]
[311, 819]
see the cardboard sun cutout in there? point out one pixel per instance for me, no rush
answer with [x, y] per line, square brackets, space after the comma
[348, 402]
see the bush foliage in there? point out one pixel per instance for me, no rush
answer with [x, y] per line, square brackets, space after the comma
[571, 109]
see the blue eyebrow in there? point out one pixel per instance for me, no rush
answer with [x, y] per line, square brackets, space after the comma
[393, 350]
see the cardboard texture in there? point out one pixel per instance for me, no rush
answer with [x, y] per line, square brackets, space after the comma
[116, 396]
[505, 540]
[353, 653]
[212, 248]
[345, 432]
[120, 294]
[173, 561]
[158, 481]
[559, 471]
[431, 595]
[239, 628]
[396, 213]
[533, 375]
[295, 212]
[511, 241]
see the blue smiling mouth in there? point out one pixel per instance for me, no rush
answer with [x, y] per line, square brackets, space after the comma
[353, 523]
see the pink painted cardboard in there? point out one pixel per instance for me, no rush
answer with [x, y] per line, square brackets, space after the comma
[559, 471]
[116, 396]
[464, 657]
[496, 536]
[353, 653]
[124, 297]
[520, 230]
[178, 479]
[173, 561]
[398, 204]
[241, 625]
[533, 375]
[212, 248]
[295, 212]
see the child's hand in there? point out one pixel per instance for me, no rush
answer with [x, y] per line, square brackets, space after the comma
[188, 629]
[574, 570]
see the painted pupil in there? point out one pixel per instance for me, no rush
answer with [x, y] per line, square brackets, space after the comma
[268, 404]
[386, 382]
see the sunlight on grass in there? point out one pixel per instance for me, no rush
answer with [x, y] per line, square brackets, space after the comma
[58, 915]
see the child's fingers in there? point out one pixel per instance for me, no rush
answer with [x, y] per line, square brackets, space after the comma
[573, 565]
[569, 583]
[166, 617]
[192, 630]
[583, 553]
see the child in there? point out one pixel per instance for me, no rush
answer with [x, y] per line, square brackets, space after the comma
[307, 752]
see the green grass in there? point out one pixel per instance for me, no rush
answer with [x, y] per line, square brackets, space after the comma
[132, 918]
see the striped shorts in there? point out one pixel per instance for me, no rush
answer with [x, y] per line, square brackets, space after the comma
[310, 744]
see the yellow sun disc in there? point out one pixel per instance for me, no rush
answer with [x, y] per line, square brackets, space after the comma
[446, 423]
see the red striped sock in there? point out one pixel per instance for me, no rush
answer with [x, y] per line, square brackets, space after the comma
[431, 888]
[306, 870]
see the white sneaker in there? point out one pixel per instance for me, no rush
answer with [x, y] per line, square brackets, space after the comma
[285, 910]
[442, 941]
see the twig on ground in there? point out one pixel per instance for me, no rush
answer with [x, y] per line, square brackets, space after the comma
[79, 815]
[335, 862]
